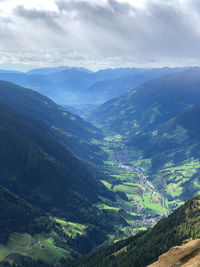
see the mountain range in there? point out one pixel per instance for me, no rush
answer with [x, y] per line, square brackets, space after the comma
[69, 86]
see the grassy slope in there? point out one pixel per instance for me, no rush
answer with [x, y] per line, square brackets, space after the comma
[22, 244]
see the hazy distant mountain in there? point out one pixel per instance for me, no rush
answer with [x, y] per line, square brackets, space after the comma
[102, 91]
[55, 70]
[68, 86]
[46, 70]
[108, 74]
[10, 71]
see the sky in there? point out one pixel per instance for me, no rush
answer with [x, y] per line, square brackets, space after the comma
[99, 34]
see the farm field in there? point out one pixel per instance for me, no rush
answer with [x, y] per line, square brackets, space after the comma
[140, 199]
[39, 246]
[70, 228]
[136, 200]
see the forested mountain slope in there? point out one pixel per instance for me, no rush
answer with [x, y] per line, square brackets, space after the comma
[37, 166]
[70, 129]
[151, 104]
[30, 237]
[41, 170]
[19, 216]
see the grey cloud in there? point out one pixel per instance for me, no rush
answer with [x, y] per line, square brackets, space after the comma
[163, 32]
[162, 29]
[49, 18]
[94, 12]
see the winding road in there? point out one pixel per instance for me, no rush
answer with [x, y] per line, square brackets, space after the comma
[119, 157]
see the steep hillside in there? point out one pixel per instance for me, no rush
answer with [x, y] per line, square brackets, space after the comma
[41, 170]
[27, 232]
[29, 237]
[70, 129]
[139, 251]
[180, 135]
[19, 216]
[150, 104]
[187, 255]
[174, 153]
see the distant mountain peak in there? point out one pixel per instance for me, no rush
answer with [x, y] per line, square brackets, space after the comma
[56, 70]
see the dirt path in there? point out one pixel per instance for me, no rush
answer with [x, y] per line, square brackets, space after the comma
[29, 241]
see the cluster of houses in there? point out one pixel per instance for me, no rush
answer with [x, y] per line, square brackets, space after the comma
[154, 200]
[40, 244]
[141, 223]
[68, 228]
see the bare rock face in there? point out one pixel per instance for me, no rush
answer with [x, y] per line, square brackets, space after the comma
[187, 255]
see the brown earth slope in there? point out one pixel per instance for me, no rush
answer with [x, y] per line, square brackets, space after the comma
[187, 255]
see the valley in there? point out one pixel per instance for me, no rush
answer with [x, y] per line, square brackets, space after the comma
[137, 200]
[143, 197]
[99, 133]
[119, 173]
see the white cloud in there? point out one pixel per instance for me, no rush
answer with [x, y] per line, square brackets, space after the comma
[98, 33]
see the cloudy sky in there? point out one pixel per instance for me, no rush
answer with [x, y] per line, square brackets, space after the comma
[99, 33]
